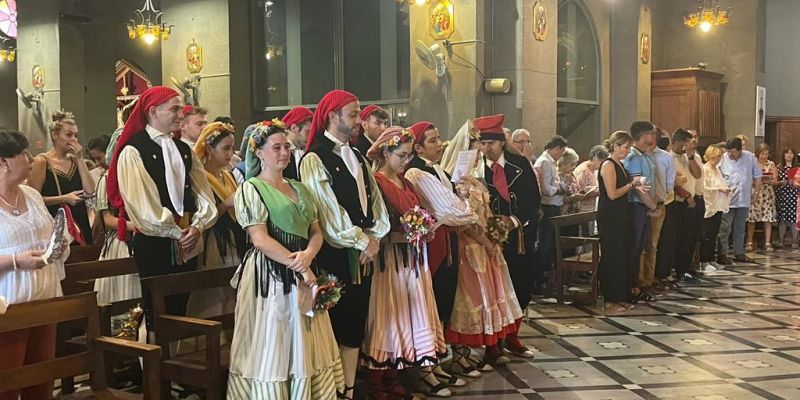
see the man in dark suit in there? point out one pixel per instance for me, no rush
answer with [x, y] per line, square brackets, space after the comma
[514, 193]
[374, 121]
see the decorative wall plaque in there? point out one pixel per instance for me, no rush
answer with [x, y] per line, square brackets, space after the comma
[539, 21]
[440, 19]
[194, 57]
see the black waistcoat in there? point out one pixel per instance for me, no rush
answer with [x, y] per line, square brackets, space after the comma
[344, 185]
[153, 160]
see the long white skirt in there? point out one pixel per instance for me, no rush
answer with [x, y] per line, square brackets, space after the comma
[277, 351]
[116, 288]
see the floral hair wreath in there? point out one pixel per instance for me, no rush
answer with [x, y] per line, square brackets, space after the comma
[263, 130]
[215, 134]
[404, 136]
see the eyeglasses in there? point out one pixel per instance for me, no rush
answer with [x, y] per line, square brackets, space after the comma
[523, 142]
[403, 156]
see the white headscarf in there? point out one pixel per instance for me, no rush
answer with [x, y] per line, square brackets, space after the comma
[460, 142]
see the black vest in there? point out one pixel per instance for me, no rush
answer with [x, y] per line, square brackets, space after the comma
[153, 160]
[420, 164]
[291, 171]
[344, 185]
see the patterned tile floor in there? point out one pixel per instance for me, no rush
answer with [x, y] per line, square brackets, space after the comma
[736, 335]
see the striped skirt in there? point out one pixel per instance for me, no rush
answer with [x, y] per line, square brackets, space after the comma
[403, 328]
[278, 352]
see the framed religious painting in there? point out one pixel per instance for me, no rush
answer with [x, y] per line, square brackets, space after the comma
[194, 57]
[38, 77]
[645, 48]
[539, 21]
[441, 22]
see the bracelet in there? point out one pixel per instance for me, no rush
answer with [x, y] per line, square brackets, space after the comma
[14, 260]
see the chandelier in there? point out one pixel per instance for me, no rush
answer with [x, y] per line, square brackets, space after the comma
[707, 15]
[7, 53]
[416, 2]
[150, 26]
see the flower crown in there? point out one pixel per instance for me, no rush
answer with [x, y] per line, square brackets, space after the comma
[399, 138]
[215, 134]
[263, 130]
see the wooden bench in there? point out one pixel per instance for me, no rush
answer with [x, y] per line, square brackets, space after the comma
[575, 264]
[84, 253]
[70, 308]
[79, 278]
[205, 369]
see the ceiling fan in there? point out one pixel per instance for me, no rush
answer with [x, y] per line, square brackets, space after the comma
[190, 87]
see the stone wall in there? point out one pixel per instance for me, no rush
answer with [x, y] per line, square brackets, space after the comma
[783, 58]
[730, 50]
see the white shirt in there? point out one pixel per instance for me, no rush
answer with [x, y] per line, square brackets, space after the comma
[698, 183]
[682, 168]
[188, 141]
[550, 179]
[351, 161]
[713, 184]
[439, 172]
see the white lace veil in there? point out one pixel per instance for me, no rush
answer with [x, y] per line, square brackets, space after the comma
[460, 142]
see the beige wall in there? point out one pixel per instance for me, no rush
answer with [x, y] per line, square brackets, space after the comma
[207, 22]
[447, 102]
[730, 50]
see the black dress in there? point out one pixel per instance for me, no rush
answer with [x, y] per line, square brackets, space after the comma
[67, 183]
[613, 223]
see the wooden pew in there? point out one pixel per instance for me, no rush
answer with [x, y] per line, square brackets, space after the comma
[84, 253]
[70, 308]
[577, 264]
[205, 369]
[79, 278]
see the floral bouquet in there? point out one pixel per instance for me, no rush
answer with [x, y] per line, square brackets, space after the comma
[328, 291]
[496, 230]
[130, 327]
[418, 226]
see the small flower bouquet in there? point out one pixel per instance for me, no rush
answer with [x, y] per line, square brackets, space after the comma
[130, 327]
[496, 230]
[418, 226]
[328, 291]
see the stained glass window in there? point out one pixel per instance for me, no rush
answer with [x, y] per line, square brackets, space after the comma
[8, 18]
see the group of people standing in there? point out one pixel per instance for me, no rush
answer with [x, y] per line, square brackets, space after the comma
[663, 207]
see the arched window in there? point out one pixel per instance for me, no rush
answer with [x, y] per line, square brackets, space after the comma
[578, 102]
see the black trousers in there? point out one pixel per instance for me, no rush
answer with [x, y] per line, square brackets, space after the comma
[688, 235]
[445, 282]
[153, 256]
[546, 247]
[665, 254]
[349, 317]
[710, 234]
[522, 267]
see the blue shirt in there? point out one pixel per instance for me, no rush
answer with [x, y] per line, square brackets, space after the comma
[665, 173]
[639, 164]
[740, 175]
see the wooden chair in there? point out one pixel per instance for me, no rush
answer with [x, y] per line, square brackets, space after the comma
[205, 369]
[84, 253]
[79, 278]
[70, 308]
[575, 264]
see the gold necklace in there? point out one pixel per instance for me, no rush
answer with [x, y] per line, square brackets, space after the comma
[14, 209]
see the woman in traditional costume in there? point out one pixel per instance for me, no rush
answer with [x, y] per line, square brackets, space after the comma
[403, 328]
[225, 241]
[486, 309]
[278, 350]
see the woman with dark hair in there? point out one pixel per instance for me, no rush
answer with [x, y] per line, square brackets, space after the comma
[25, 275]
[786, 194]
[278, 351]
[225, 241]
[613, 223]
[762, 208]
[62, 176]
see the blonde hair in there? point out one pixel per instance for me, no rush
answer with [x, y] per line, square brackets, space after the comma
[59, 119]
[762, 148]
[713, 152]
[744, 138]
[617, 139]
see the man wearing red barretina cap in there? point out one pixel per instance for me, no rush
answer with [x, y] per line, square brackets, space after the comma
[352, 216]
[514, 193]
[373, 123]
[193, 122]
[161, 186]
[297, 122]
[438, 195]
